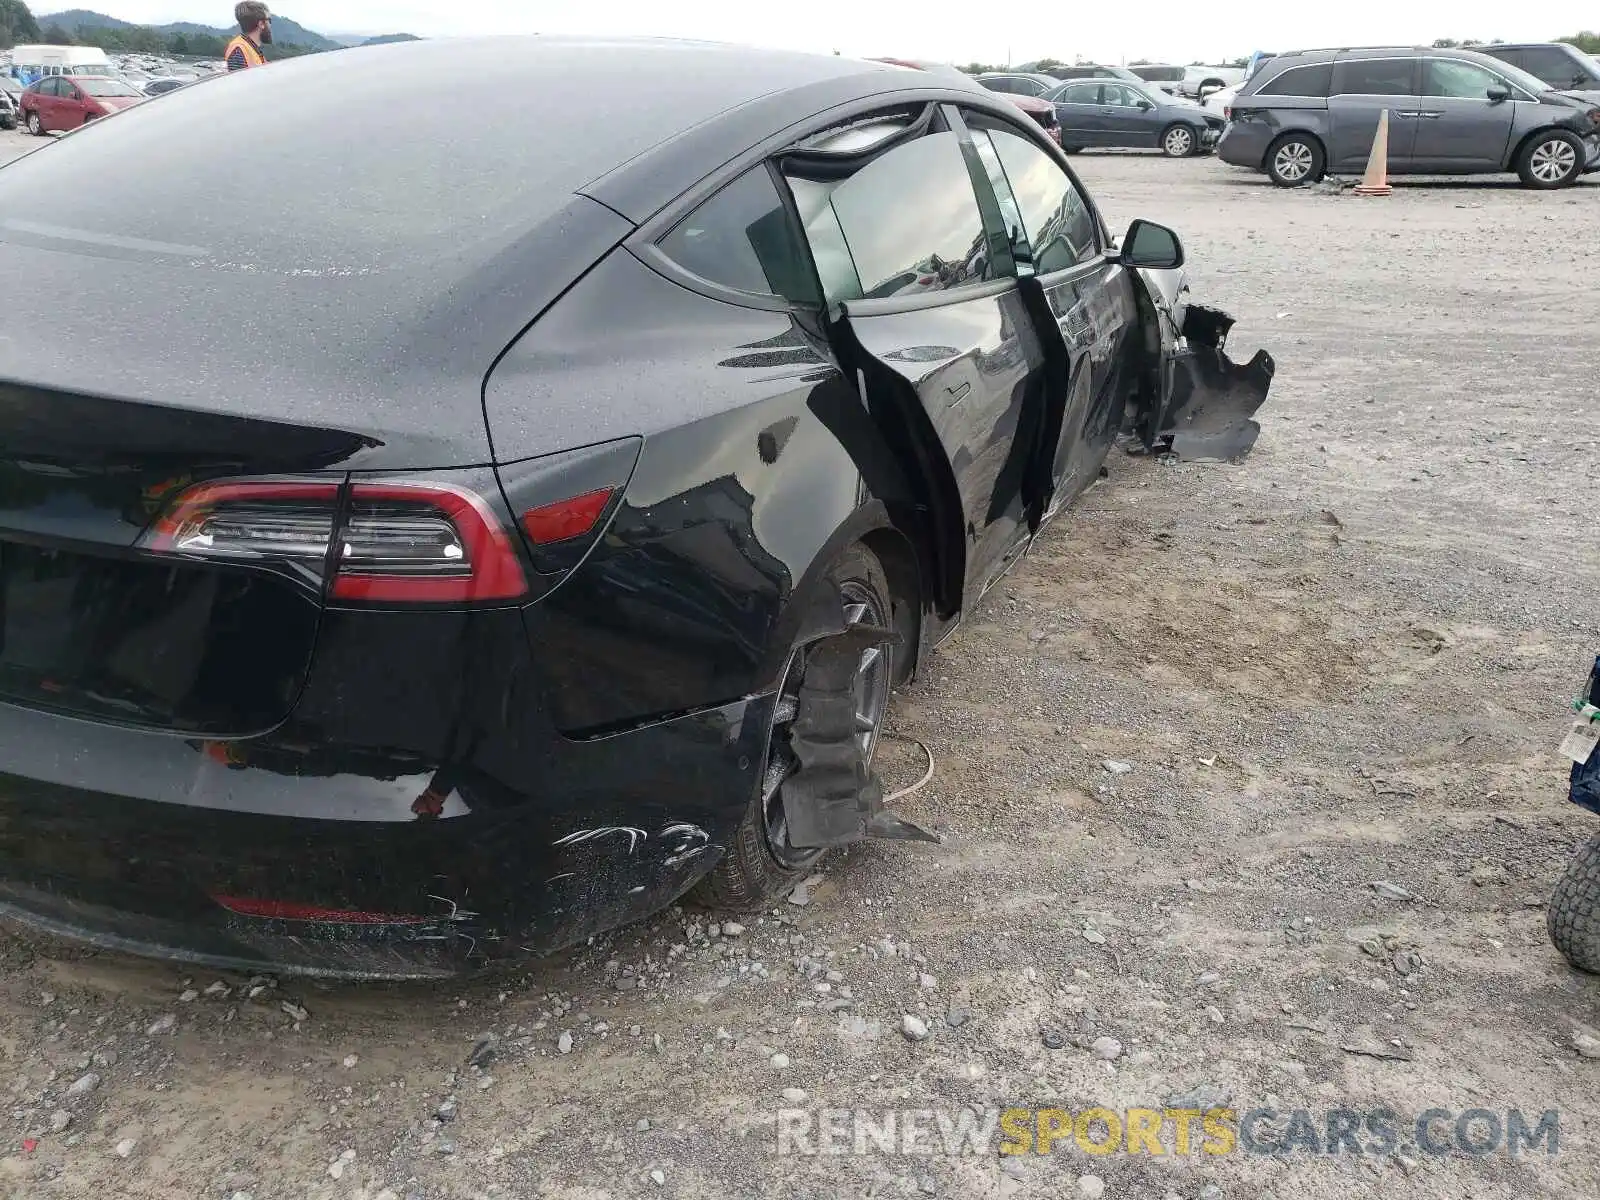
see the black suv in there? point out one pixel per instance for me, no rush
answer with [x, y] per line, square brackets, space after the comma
[1451, 112]
[1565, 68]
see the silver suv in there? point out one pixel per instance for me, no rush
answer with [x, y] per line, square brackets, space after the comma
[1451, 112]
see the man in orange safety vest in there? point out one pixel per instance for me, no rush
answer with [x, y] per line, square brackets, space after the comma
[255, 31]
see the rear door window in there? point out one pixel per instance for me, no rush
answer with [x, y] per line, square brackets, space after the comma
[907, 223]
[1375, 77]
[1079, 93]
[1005, 86]
[742, 238]
[1313, 80]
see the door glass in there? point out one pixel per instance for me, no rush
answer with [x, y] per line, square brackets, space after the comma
[1120, 95]
[1554, 67]
[1313, 80]
[998, 85]
[1460, 80]
[906, 224]
[1080, 93]
[1055, 217]
[1374, 77]
[741, 238]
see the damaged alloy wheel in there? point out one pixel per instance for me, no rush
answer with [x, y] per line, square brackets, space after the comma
[762, 863]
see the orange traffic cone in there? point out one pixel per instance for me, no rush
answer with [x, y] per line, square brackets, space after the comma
[1376, 181]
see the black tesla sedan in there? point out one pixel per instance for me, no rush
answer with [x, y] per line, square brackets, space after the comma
[448, 531]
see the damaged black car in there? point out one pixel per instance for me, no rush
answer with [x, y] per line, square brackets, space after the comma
[482, 534]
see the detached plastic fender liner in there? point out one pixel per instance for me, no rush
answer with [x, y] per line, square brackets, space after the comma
[1208, 402]
[834, 799]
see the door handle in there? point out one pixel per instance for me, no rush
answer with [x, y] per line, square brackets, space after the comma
[1399, 115]
[1430, 116]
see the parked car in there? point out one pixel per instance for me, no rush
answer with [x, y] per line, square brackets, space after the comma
[160, 87]
[10, 99]
[1040, 110]
[1198, 82]
[60, 102]
[465, 589]
[1560, 66]
[1221, 102]
[1165, 78]
[1017, 83]
[1094, 71]
[1451, 112]
[1108, 112]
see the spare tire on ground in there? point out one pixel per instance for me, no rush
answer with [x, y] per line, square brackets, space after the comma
[1573, 917]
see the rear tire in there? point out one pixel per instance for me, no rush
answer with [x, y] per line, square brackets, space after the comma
[755, 872]
[1295, 160]
[1573, 917]
[35, 125]
[1552, 159]
[1179, 141]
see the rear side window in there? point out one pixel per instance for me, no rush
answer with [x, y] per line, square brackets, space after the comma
[1056, 219]
[742, 238]
[1314, 81]
[907, 223]
[999, 85]
[1375, 77]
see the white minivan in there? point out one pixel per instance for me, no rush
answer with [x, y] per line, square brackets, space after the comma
[29, 63]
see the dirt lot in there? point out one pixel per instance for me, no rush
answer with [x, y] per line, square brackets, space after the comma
[1342, 662]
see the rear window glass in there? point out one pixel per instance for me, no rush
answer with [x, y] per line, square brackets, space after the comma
[742, 238]
[1312, 80]
[1375, 77]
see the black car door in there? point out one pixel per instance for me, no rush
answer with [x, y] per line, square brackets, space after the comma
[927, 311]
[1091, 310]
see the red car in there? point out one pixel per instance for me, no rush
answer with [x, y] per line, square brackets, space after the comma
[69, 101]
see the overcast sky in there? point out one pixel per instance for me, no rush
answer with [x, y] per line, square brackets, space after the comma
[961, 32]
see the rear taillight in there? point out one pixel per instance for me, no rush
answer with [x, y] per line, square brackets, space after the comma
[395, 542]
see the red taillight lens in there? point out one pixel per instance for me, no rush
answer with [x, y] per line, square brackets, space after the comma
[404, 542]
[565, 519]
[424, 542]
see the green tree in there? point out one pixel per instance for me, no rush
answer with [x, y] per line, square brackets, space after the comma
[54, 35]
[1045, 64]
[1587, 41]
[16, 24]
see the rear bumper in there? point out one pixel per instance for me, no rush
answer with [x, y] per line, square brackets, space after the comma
[1244, 145]
[343, 859]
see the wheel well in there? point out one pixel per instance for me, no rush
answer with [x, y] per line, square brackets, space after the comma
[1525, 142]
[1289, 133]
[901, 565]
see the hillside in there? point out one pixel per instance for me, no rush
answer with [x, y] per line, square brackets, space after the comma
[285, 32]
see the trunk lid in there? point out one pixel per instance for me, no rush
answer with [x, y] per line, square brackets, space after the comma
[92, 626]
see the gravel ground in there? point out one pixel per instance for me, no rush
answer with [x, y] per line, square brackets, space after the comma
[1343, 662]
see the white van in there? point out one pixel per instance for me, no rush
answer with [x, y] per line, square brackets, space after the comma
[29, 63]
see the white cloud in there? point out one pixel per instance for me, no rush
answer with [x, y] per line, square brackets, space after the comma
[1194, 29]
